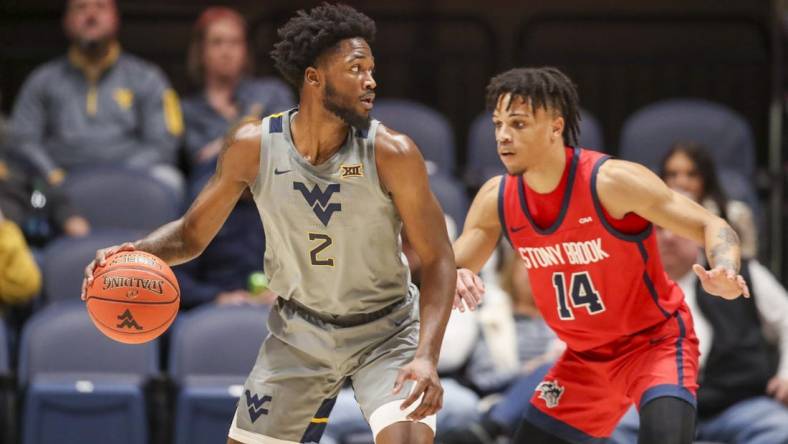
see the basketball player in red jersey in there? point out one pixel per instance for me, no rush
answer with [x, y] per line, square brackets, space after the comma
[582, 223]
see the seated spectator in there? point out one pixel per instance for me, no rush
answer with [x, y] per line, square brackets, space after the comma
[689, 167]
[41, 210]
[220, 64]
[743, 394]
[97, 104]
[515, 352]
[20, 278]
[222, 273]
[26, 199]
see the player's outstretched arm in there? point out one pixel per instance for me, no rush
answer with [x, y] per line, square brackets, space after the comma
[625, 187]
[185, 238]
[403, 173]
[479, 237]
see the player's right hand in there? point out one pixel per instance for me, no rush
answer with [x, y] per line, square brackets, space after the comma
[100, 261]
[470, 290]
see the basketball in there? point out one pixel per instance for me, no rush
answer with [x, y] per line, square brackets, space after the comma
[133, 298]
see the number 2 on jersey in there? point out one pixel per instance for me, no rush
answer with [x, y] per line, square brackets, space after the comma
[582, 293]
[325, 242]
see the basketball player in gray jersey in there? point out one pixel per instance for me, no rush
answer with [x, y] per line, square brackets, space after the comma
[334, 189]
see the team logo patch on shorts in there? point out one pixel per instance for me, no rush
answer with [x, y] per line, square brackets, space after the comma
[256, 405]
[551, 392]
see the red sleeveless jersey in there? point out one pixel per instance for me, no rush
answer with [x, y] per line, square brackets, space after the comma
[592, 283]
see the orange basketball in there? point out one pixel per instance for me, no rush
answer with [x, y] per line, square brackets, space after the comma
[134, 297]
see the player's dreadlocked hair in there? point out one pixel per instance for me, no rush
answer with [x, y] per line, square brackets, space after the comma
[545, 87]
[305, 37]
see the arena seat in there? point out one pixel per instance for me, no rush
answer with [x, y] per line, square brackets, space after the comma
[450, 192]
[65, 260]
[115, 197]
[213, 349]
[431, 131]
[80, 385]
[648, 134]
[7, 398]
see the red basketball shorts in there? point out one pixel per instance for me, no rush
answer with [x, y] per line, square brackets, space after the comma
[585, 394]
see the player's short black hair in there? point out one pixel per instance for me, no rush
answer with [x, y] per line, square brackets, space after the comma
[305, 37]
[545, 87]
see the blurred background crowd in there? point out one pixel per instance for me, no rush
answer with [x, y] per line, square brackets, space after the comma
[113, 115]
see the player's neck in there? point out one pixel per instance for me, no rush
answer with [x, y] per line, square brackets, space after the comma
[544, 175]
[317, 133]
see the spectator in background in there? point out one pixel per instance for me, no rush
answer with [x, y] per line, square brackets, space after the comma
[512, 357]
[27, 200]
[220, 63]
[222, 273]
[20, 278]
[743, 394]
[97, 104]
[689, 167]
[42, 211]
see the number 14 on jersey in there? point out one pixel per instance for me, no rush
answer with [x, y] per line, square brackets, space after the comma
[581, 292]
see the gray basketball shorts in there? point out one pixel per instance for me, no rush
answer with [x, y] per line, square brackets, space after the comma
[303, 364]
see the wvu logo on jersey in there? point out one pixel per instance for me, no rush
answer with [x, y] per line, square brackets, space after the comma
[551, 392]
[355, 170]
[256, 405]
[318, 200]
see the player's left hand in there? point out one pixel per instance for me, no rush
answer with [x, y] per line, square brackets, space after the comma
[469, 291]
[424, 372]
[778, 389]
[722, 282]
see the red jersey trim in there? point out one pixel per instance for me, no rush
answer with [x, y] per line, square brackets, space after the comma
[564, 200]
[637, 237]
[501, 215]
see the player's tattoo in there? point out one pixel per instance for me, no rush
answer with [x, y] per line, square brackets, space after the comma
[727, 235]
[167, 242]
[718, 253]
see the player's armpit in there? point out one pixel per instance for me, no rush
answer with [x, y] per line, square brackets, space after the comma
[482, 228]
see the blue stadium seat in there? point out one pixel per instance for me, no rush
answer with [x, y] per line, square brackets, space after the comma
[65, 260]
[648, 134]
[114, 197]
[5, 362]
[451, 194]
[213, 349]
[483, 161]
[431, 131]
[82, 387]
[738, 187]
[7, 399]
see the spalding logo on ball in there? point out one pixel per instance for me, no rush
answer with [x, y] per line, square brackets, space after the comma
[134, 297]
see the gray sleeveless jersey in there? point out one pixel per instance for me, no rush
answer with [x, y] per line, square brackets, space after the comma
[332, 233]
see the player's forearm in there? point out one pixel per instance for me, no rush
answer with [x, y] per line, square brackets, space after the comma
[437, 292]
[472, 249]
[722, 245]
[171, 243]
